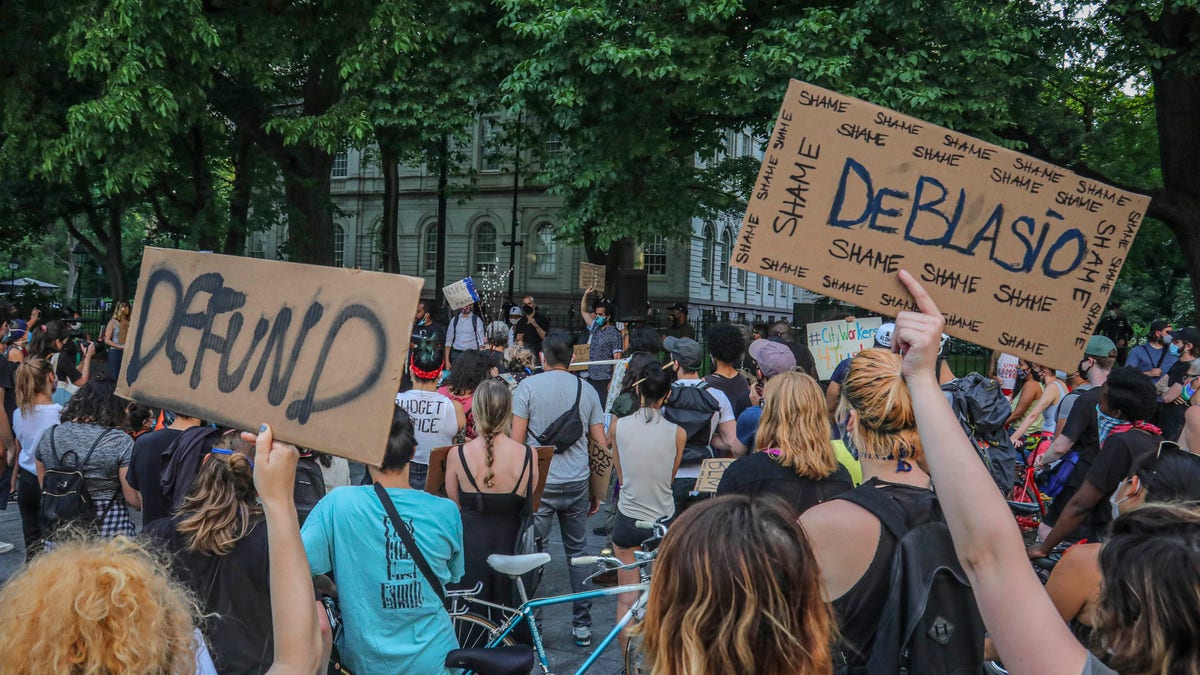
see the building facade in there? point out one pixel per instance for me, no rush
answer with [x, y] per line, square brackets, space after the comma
[479, 223]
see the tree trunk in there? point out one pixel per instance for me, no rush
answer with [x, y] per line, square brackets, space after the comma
[114, 256]
[443, 164]
[390, 228]
[240, 195]
[306, 190]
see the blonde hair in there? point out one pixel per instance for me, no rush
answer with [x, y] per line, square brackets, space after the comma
[795, 420]
[887, 425]
[747, 601]
[97, 607]
[220, 509]
[32, 378]
[492, 409]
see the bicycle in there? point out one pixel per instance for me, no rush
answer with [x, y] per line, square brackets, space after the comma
[489, 649]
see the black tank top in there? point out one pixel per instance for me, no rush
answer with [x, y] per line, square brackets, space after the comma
[858, 609]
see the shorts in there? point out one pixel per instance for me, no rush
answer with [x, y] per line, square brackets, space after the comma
[627, 534]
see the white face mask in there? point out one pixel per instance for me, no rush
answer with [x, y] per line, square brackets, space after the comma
[1116, 503]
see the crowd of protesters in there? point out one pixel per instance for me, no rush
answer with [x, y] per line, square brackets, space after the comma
[839, 492]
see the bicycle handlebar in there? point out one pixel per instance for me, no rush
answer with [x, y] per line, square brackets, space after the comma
[586, 560]
[645, 524]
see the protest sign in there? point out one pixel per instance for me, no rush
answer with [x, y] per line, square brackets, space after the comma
[711, 471]
[600, 463]
[580, 355]
[592, 276]
[832, 341]
[1019, 255]
[314, 351]
[461, 293]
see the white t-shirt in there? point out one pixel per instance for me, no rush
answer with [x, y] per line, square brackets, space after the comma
[434, 421]
[465, 333]
[1006, 371]
[29, 430]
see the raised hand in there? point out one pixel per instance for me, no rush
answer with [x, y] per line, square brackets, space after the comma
[918, 334]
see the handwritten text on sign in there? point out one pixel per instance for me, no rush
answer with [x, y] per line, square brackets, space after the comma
[1019, 255]
[314, 351]
[832, 341]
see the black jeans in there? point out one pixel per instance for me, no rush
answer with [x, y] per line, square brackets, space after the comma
[29, 499]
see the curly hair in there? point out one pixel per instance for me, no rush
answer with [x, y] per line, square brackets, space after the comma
[97, 403]
[471, 368]
[887, 425]
[748, 601]
[96, 607]
[725, 342]
[1128, 392]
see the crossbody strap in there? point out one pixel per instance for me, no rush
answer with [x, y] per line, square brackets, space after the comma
[410, 543]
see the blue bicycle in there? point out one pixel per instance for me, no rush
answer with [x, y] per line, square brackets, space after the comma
[489, 649]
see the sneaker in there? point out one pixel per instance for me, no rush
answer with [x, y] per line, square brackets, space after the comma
[5, 547]
[582, 635]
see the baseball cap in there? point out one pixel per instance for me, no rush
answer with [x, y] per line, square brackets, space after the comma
[679, 307]
[773, 357]
[883, 335]
[1100, 346]
[1189, 334]
[515, 310]
[686, 351]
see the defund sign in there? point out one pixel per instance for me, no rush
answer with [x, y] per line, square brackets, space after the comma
[315, 351]
[1019, 255]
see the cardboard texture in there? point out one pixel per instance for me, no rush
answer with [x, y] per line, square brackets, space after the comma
[711, 471]
[314, 351]
[592, 276]
[435, 480]
[832, 341]
[461, 293]
[600, 461]
[1019, 255]
[580, 355]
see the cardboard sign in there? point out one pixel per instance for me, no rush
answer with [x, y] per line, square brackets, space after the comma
[314, 351]
[435, 480]
[711, 471]
[581, 354]
[1019, 255]
[832, 341]
[592, 276]
[600, 461]
[461, 293]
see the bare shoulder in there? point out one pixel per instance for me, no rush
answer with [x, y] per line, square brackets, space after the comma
[1079, 561]
[838, 519]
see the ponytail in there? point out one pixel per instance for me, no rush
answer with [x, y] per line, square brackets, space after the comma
[217, 512]
[32, 379]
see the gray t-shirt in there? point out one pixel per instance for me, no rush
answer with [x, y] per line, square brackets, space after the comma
[101, 471]
[541, 399]
[1068, 403]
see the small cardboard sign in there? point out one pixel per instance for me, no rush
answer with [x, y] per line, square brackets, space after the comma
[600, 461]
[581, 354]
[832, 341]
[314, 351]
[592, 276]
[435, 480]
[461, 293]
[1018, 254]
[711, 471]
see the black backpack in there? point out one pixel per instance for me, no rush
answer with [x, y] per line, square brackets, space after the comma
[982, 409]
[930, 624]
[65, 496]
[693, 408]
[310, 485]
[567, 428]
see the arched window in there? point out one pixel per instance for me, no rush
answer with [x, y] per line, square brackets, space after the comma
[706, 253]
[723, 255]
[545, 251]
[429, 249]
[339, 246]
[654, 256]
[485, 249]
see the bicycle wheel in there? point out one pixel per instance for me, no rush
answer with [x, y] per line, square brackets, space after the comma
[475, 631]
[634, 657]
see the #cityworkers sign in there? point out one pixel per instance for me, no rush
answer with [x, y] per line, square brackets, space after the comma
[832, 341]
[314, 351]
[1018, 254]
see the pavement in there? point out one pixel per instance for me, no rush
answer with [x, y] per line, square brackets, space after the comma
[565, 657]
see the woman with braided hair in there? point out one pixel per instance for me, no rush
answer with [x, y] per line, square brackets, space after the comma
[436, 417]
[489, 478]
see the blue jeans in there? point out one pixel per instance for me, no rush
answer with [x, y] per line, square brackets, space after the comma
[570, 502]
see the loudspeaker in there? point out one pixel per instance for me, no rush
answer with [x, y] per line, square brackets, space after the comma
[630, 295]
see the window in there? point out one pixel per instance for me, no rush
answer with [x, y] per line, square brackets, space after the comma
[339, 246]
[770, 287]
[485, 249]
[545, 251]
[258, 247]
[553, 145]
[429, 250]
[654, 256]
[490, 155]
[341, 161]
[740, 279]
[722, 260]
[706, 253]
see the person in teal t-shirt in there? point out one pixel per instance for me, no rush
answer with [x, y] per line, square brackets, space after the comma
[392, 620]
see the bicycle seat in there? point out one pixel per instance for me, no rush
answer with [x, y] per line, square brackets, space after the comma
[515, 660]
[1023, 508]
[516, 565]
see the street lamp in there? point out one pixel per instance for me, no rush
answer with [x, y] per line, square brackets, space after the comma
[14, 264]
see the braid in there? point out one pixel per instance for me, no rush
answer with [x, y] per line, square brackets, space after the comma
[489, 478]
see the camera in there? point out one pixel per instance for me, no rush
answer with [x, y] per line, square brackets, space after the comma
[527, 309]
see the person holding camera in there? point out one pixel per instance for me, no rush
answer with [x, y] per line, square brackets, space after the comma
[531, 328]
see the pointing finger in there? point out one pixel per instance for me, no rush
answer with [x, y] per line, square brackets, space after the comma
[920, 296]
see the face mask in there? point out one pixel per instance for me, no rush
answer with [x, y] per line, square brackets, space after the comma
[1167, 338]
[1116, 508]
[1106, 423]
[514, 321]
[1084, 368]
[599, 322]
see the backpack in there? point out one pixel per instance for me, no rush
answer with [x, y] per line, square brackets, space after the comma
[982, 409]
[567, 428]
[310, 485]
[65, 496]
[693, 408]
[930, 622]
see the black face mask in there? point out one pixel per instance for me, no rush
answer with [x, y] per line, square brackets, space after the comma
[1084, 369]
